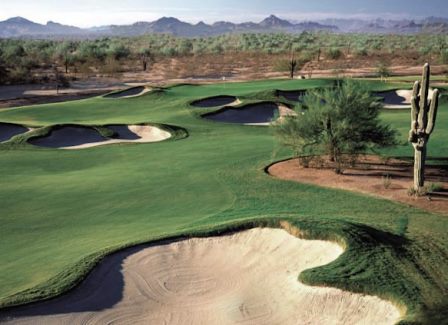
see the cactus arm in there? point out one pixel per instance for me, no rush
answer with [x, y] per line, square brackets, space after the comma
[414, 113]
[416, 89]
[432, 115]
[424, 107]
[425, 86]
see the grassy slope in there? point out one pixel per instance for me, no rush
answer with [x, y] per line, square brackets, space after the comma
[60, 207]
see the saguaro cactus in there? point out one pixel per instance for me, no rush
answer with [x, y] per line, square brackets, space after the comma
[423, 119]
[292, 65]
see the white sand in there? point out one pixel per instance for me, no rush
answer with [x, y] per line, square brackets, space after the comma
[246, 278]
[283, 111]
[146, 133]
[406, 95]
[144, 91]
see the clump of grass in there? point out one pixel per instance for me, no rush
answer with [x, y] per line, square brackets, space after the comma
[434, 187]
[427, 189]
[387, 181]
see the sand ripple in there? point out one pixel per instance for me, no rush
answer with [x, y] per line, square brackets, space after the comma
[244, 278]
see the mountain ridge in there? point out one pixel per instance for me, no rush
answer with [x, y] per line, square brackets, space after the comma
[17, 27]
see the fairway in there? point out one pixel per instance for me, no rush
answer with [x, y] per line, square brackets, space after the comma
[63, 210]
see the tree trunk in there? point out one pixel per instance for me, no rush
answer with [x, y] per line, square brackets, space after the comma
[419, 167]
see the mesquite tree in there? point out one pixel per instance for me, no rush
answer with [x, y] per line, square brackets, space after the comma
[423, 119]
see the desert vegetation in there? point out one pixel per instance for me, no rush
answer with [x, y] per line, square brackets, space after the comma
[23, 60]
[340, 122]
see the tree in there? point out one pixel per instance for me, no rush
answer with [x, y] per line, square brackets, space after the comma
[423, 119]
[383, 71]
[339, 122]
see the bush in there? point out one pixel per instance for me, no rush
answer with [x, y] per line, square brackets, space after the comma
[444, 56]
[342, 123]
[334, 53]
[361, 52]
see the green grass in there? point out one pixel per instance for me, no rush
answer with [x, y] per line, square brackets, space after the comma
[61, 211]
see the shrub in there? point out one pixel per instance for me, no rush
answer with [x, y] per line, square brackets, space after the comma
[387, 181]
[341, 122]
[334, 53]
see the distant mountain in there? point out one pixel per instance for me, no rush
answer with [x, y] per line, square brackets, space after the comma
[21, 27]
[383, 26]
[275, 22]
[18, 26]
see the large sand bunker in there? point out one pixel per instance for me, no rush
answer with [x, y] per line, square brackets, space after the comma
[8, 130]
[215, 101]
[252, 114]
[81, 137]
[292, 95]
[244, 278]
[396, 99]
[128, 93]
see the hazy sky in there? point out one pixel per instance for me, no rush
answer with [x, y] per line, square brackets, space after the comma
[100, 12]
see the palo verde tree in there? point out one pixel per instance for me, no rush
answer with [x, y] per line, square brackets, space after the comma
[340, 123]
[423, 120]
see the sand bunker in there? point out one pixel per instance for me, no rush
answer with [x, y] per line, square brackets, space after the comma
[215, 101]
[397, 99]
[252, 114]
[128, 93]
[246, 278]
[8, 130]
[292, 95]
[81, 137]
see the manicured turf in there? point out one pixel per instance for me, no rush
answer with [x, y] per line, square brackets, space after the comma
[62, 210]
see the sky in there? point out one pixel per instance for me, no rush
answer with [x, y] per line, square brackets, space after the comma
[88, 13]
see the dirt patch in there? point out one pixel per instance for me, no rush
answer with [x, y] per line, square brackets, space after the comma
[215, 101]
[8, 130]
[131, 92]
[369, 177]
[244, 278]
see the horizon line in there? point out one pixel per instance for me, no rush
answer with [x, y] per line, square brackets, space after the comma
[391, 17]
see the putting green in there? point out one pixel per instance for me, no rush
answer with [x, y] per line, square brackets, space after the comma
[62, 210]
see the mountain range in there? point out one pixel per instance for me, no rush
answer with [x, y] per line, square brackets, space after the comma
[20, 27]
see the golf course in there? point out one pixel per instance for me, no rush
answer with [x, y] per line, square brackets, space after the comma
[186, 162]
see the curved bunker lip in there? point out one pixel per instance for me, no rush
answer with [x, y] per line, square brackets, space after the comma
[251, 114]
[249, 277]
[66, 136]
[82, 137]
[123, 132]
[9, 130]
[128, 93]
[394, 99]
[292, 95]
[215, 101]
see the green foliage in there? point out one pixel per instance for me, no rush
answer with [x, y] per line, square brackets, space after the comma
[383, 70]
[337, 122]
[444, 56]
[334, 53]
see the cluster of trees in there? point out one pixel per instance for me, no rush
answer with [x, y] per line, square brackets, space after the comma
[19, 58]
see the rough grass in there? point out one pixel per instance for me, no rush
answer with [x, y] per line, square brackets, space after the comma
[61, 211]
